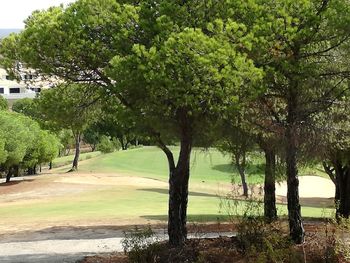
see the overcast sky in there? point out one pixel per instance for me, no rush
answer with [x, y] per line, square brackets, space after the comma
[14, 12]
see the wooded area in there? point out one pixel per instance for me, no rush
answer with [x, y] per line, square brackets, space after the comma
[271, 75]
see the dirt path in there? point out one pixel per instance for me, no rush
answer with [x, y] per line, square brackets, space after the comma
[59, 245]
[71, 244]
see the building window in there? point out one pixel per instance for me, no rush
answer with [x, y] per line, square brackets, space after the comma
[15, 90]
[2, 91]
[26, 77]
[7, 77]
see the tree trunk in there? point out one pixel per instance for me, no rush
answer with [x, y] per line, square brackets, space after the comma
[122, 143]
[93, 147]
[178, 185]
[332, 173]
[50, 165]
[9, 175]
[270, 211]
[296, 228]
[343, 181]
[241, 169]
[178, 194]
[77, 152]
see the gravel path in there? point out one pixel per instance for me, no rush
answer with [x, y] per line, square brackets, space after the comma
[62, 245]
[67, 245]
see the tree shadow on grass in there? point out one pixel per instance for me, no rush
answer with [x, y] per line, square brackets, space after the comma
[224, 168]
[15, 182]
[166, 192]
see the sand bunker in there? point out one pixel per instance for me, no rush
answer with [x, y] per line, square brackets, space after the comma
[310, 186]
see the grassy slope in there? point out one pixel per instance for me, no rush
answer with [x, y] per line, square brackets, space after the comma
[206, 165]
[67, 160]
[209, 166]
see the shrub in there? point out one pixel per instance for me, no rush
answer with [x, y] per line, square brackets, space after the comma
[106, 145]
[141, 245]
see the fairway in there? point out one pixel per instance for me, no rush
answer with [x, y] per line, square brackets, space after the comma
[125, 188]
[206, 165]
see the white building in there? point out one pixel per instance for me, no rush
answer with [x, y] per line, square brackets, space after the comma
[13, 90]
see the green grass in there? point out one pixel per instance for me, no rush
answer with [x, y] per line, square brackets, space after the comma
[66, 160]
[208, 166]
[128, 203]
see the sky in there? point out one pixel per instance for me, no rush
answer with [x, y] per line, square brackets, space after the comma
[14, 12]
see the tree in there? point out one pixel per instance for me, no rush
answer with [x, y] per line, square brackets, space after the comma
[16, 138]
[181, 86]
[72, 107]
[237, 142]
[23, 144]
[118, 122]
[299, 47]
[92, 136]
[335, 152]
[173, 71]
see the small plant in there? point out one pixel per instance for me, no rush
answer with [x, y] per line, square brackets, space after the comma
[141, 245]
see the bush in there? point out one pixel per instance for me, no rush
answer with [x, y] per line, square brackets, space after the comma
[106, 145]
[141, 245]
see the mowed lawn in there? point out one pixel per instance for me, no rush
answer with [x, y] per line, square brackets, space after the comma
[103, 191]
[206, 165]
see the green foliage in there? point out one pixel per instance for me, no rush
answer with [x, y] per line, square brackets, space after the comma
[3, 103]
[17, 138]
[67, 141]
[189, 74]
[24, 106]
[23, 143]
[106, 145]
[141, 245]
[92, 136]
[70, 106]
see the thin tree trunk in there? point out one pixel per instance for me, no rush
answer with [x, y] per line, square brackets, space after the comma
[332, 173]
[241, 170]
[270, 211]
[296, 228]
[122, 144]
[184, 167]
[77, 152]
[9, 175]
